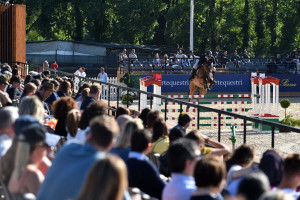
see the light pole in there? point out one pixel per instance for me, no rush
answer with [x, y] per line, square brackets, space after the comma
[192, 26]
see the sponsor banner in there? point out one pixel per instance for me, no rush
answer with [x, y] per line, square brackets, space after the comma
[226, 83]
[179, 83]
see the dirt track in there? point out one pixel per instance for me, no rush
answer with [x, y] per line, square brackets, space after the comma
[285, 142]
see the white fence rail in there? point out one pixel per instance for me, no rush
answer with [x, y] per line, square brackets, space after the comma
[113, 90]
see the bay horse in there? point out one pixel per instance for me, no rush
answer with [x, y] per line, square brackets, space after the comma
[198, 82]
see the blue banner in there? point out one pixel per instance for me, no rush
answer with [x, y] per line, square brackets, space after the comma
[226, 83]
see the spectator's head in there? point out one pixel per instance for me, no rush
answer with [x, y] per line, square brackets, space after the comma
[156, 55]
[291, 170]
[95, 91]
[292, 54]
[36, 82]
[106, 180]
[92, 110]
[133, 51]
[23, 122]
[253, 186]
[5, 68]
[62, 106]
[3, 82]
[65, 86]
[46, 74]
[103, 132]
[84, 85]
[191, 52]
[130, 127]
[276, 195]
[210, 173]
[235, 52]
[31, 148]
[73, 119]
[8, 116]
[245, 52]
[175, 134]
[28, 78]
[182, 156]
[32, 106]
[166, 56]
[151, 117]
[143, 116]
[122, 120]
[85, 93]
[29, 89]
[45, 63]
[243, 156]
[102, 69]
[225, 53]
[15, 81]
[278, 55]
[184, 120]
[16, 71]
[140, 141]
[160, 129]
[82, 69]
[271, 60]
[122, 111]
[271, 164]
[124, 51]
[196, 136]
[56, 84]
[54, 62]
[47, 89]
[180, 52]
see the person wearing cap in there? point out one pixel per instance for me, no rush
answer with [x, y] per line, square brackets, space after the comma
[4, 97]
[31, 149]
[45, 92]
[14, 90]
[8, 116]
[8, 160]
[102, 75]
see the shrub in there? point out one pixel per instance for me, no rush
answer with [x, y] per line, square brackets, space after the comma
[285, 103]
[124, 100]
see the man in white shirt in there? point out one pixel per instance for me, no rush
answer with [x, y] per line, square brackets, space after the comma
[183, 154]
[132, 55]
[80, 72]
[8, 116]
[102, 75]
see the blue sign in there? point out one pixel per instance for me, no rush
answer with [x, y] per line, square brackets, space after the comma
[226, 83]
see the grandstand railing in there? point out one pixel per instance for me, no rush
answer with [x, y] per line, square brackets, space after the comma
[245, 119]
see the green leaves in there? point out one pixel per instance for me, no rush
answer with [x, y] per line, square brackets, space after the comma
[260, 26]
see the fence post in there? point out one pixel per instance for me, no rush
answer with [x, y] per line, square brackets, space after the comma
[118, 96]
[273, 137]
[166, 109]
[245, 131]
[219, 127]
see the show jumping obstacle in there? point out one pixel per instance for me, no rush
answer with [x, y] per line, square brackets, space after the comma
[260, 88]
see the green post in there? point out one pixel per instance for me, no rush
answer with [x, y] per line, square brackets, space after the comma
[233, 138]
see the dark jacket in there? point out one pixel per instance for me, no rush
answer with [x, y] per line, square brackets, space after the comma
[144, 175]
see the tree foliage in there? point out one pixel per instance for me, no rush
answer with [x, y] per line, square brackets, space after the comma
[261, 26]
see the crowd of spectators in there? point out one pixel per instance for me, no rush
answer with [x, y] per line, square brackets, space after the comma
[91, 155]
[277, 64]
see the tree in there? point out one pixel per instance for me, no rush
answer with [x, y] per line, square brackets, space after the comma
[246, 23]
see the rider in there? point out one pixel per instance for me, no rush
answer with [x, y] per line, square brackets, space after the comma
[210, 60]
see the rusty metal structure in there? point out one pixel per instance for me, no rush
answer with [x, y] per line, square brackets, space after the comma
[13, 35]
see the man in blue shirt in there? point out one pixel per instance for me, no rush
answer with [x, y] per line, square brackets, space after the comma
[68, 172]
[102, 75]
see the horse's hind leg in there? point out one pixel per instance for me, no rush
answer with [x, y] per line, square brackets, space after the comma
[193, 89]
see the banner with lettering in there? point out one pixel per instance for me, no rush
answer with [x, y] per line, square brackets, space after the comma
[226, 83]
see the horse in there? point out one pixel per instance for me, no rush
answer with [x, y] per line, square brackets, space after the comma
[198, 82]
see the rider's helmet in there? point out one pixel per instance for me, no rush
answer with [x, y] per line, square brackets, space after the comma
[209, 53]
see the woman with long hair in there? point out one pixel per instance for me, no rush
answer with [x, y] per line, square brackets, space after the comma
[106, 180]
[29, 89]
[73, 119]
[60, 111]
[160, 137]
[32, 106]
[65, 89]
[31, 150]
[122, 145]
